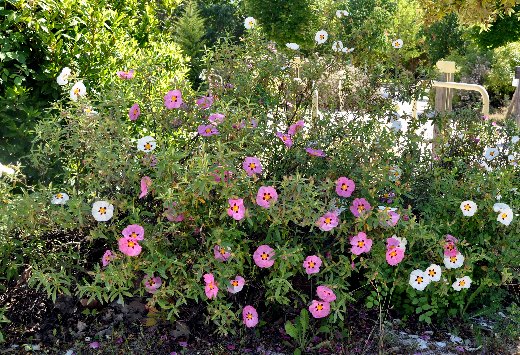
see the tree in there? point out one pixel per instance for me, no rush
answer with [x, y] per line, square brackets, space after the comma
[189, 31]
[471, 12]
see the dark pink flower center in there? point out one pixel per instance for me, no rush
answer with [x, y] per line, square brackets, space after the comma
[249, 316]
[264, 256]
[319, 306]
[344, 187]
[312, 264]
[267, 196]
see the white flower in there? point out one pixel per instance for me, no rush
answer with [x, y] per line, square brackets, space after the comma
[498, 197]
[321, 37]
[505, 216]
[396, 125]
[395, 173]
[249, 23]
[491, 153]
[77, 91]
[341, 13]
[468, 208]
[146, 144]
[419, 280]
[337, 46]
[292, 46]
[60, 198]
[486, 166]
[102, 211]
[89, 111]
[462, 282]
[398, 43]
[63, 78]
[347, 50]
[433, 272]
[512, 160]
[453, 262]
[4, 169]
[515, 139]
[402, 242]
[500, 207]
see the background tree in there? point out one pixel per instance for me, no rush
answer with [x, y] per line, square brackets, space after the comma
[189, 31]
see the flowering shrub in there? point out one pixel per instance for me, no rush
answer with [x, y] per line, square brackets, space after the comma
[200, 198]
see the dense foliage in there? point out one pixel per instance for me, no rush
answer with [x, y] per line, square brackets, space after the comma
[193, 169]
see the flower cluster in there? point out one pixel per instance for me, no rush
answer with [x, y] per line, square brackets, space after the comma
[321, 308]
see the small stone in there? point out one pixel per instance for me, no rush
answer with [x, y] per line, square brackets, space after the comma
[455, 339]
[428, 332]
[81, 326]
[440, 344]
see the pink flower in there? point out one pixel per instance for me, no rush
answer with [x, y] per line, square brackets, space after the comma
[173, 99]
[107, 257]
[207, 130]
[312, 264]
[237, 284]
[146, 182]
[134, 112]
[315, 152]
[94, 345]
[227, 175]
[450, 249]
[286, 139]
[172, 215]
[392, 218]
[221, 253]
[359, 207]
[211, 288]
[345, 187]
[266, 196]
[394, 255]
[326, 294]
[134, 231]
[216, 118]
[319, 309]
[126, 75]
[205, 102]
[129, 246]
[360, 244]
[392, 243]
[328, 221]
[250, 316]
[152, 283]
[236, 209]
[450, 238]
[294, 128]
[263, 256]
[252, 166]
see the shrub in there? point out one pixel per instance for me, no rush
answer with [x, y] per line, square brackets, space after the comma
[202, 198]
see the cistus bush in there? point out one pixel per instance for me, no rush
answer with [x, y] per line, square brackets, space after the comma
[250, 199]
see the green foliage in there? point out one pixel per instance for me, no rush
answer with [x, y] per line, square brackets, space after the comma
[470, 12]
[499, 78]
[504, 30]
[286, 21]
[443, 37]
[298, 330]
[260, 90]
[189, 31]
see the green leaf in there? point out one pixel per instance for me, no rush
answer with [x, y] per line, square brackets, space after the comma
[304, 320]
[291, 330]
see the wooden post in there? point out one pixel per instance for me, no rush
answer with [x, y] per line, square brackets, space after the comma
[443, 96]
